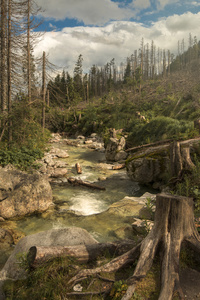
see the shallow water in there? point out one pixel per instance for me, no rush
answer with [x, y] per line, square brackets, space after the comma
[82, 206]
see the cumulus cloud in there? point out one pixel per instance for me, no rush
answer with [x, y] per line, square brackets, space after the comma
[90, 12]
[184, 23]
[118, 40]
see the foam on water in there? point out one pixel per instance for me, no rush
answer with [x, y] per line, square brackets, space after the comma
[86, 204]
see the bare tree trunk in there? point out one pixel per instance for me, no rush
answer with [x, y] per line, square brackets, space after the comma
[175, 159]
[48, 97]
[43, 90]
[3, 56]
[28, 52]
[9, 63]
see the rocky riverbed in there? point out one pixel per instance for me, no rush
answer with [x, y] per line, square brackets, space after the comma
[28, 205]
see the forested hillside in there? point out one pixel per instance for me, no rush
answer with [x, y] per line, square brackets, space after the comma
[152, 96]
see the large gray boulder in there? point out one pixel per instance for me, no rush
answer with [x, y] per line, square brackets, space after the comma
[23, 194]
[55, 237]
[149, 168]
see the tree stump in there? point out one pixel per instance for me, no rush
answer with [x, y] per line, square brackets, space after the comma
[180, 159]
[173, 225]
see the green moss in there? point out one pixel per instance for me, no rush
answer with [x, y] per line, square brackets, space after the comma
[152, 155]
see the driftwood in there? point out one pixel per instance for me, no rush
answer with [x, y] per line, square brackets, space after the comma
[82, 253]
[174, 224]
[85, 183]
[78, 168]
[119, 167]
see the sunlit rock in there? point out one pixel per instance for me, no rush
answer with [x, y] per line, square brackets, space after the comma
[115, 149]
[26, 194]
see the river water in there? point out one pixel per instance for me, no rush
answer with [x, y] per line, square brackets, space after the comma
[81, 206]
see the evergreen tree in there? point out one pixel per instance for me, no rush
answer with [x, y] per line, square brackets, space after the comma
[78, 80]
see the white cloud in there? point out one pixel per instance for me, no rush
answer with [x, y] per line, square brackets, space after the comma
[141, 4]
[118, 40]
[91, 12]
[184, 23]
[161, 4]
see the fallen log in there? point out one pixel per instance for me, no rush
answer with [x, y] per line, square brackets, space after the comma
[82, 253]
[85, 183]
[118, 167]
[78, 168]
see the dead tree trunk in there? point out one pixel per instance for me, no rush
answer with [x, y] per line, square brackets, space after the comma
[180, 159]
[43, 90]
[174, 224]
[83, 253]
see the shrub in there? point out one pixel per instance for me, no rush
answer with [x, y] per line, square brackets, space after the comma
[159, 128]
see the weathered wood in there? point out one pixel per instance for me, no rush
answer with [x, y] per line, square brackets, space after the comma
[187, 162]
[78, 168]
[114, 265]
[149, 145]
[180, 159]
[118, 167]
[174, 224]
[160, 144]
[82, 253]
[85, 183]
[176, 159]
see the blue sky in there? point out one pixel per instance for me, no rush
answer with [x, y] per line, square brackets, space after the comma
[104, 29]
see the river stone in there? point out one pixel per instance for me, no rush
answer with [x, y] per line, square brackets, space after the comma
[125, 232]
[49, 161]
[6, 238]
[28, 193]
[55, 237]
[125, 207]
[80, 137]
[9, 237]
[114, 147]
[9, 179]
[121, 155]
[60, 172]
[60, 153]
[55, 138]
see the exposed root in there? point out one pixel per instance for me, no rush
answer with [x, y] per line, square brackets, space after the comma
[112, 266]
[174, 224]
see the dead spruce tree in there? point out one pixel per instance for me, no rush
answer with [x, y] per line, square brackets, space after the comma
[173, 226]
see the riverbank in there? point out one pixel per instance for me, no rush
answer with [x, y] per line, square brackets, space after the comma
[108, 215]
